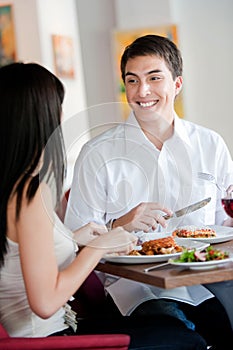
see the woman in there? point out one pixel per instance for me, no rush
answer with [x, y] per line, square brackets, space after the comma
[39, 267]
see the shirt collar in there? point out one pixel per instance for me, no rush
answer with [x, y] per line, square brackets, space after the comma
[133, 130]
[180, 130]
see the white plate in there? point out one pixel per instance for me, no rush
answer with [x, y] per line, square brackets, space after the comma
[146, 259]
[202, 265]
[223, 234]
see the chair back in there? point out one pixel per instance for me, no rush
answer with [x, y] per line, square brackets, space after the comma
[3, 332]
[74, 342]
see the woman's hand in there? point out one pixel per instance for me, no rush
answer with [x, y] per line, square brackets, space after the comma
[115, 241]
[143, 217]
[88, 232]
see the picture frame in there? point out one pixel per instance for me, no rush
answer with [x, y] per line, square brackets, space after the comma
[7, 35]
[63, 52]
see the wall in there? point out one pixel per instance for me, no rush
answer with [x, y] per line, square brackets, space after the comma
[205, 31]
[35, 22]
[26, 30]
[96, 20]
[59, 17]
[133, 14]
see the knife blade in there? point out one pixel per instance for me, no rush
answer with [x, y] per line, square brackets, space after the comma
[189, 208]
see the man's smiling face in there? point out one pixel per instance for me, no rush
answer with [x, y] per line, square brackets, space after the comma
[150, 88]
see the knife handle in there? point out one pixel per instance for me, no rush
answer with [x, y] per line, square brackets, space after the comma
[166, 217]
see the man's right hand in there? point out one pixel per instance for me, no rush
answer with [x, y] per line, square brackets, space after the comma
[144, 217]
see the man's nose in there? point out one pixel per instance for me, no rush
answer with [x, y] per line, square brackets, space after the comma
[144, 89]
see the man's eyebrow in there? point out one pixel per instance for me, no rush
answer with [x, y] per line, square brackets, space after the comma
[148, 73]
[130, 73]
[154, 71]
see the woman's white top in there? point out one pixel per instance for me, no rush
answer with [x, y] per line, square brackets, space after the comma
[16, 315]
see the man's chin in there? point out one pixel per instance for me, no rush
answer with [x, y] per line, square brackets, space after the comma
[148, 114]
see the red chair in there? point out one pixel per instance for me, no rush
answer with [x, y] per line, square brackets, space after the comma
[89, 342]
[63, 204]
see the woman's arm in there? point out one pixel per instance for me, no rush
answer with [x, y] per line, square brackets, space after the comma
[47, 288]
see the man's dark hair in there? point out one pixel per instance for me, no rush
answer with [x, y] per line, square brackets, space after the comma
[154, 45]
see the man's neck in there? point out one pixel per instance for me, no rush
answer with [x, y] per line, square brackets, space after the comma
[158, 131]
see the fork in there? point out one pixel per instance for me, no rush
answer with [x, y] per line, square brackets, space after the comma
[211, 178]
[156, 266]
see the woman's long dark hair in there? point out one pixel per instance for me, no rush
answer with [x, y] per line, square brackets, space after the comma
[30, 114]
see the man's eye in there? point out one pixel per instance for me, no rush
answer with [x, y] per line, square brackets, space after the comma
[132, 81]
[154, 78]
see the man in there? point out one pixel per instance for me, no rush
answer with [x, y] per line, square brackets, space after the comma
[132, 174]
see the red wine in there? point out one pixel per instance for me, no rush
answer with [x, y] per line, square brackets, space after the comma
[228, 206]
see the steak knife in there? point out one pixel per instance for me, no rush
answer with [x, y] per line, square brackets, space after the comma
[189, 208]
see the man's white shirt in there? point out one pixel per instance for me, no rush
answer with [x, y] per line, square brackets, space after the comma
[121, 168]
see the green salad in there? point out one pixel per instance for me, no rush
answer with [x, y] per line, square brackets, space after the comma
[208, 254]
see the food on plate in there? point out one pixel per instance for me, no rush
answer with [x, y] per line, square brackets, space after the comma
[135, 252]
[166, 245]
[194, 232]
[209, 254]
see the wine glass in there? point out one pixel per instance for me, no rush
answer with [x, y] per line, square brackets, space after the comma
[227, 197]
[227, 203]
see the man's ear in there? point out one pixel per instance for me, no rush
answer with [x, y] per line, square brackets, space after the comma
[178, 84]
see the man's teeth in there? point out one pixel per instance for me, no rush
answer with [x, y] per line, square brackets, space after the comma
[146, 104]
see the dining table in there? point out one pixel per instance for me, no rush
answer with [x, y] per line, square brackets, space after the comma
[171, 276]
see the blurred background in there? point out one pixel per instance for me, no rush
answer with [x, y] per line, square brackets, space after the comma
[79, 40]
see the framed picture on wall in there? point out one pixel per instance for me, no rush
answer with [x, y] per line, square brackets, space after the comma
[124, 38]
[7, 36]
[63, 51]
